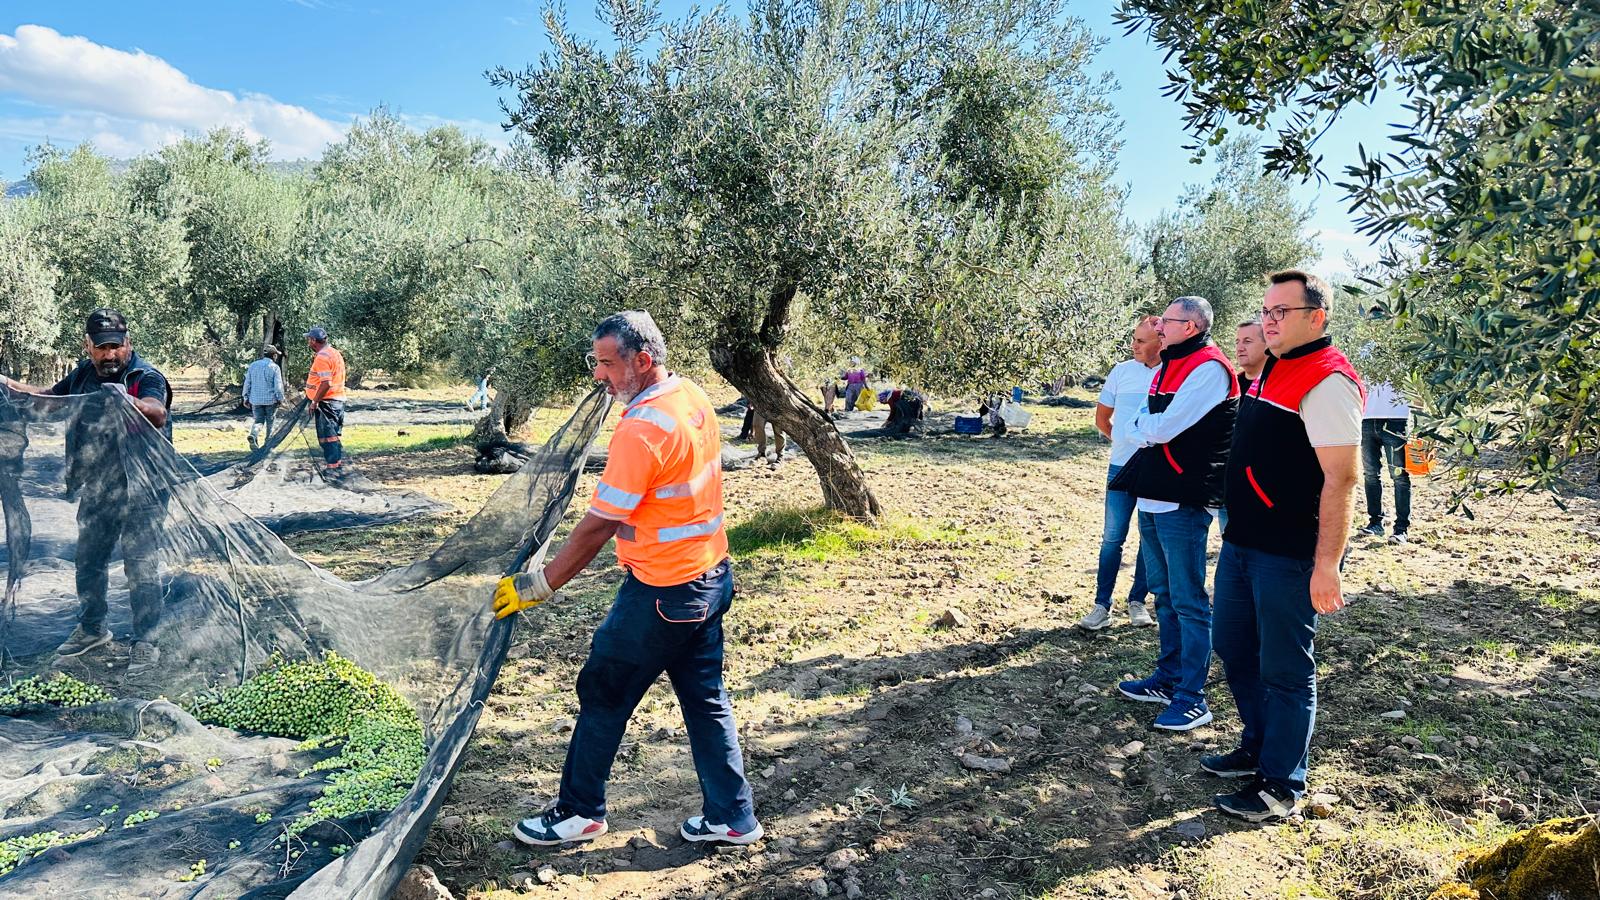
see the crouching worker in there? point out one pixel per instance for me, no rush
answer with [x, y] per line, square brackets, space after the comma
[661, 497]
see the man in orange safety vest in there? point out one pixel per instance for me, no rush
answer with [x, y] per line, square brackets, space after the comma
[661, 497]
[325, 393]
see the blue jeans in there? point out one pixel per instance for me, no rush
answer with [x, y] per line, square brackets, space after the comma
[1264, 628]
[1383, 446]
[1173, 545]
[650, 630]
[1119, 515]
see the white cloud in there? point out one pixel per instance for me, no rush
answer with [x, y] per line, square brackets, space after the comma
[112, 136]
[129, 102]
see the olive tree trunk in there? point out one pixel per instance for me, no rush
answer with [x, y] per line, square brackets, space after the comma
[507, 413]
[744, 356]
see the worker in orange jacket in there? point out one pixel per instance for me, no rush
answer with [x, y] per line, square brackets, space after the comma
[325, 393]
[661, 497]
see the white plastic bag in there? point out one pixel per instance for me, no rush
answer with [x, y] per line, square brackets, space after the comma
[1015, 416]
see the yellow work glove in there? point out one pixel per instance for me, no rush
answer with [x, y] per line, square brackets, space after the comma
[518, 592]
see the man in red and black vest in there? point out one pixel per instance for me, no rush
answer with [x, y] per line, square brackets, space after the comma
[1290, 475]
[1177, 474]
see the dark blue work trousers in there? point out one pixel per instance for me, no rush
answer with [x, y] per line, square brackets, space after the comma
[650, 630]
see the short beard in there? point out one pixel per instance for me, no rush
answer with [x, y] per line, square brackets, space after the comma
[629, 388]
[109, 369]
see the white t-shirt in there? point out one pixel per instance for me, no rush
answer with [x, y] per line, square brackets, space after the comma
[1384, 402]
[1126, 389]
[1332, 413]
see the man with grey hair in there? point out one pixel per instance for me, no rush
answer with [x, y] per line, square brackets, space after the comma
[661, 497]
[1183, 435]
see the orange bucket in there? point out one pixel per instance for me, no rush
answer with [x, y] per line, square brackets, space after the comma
[1419, 457]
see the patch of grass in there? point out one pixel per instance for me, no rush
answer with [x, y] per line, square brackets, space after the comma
[1406, 855]
[1496, 650]
[357, 439]
[821, 535]
[1563, 600]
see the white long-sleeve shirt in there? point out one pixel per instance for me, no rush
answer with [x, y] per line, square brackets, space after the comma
[1201, 392]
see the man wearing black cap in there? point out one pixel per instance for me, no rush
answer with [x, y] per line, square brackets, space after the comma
[107, 510]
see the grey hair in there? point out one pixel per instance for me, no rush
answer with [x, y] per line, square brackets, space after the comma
[1198, 309]
[634, 331]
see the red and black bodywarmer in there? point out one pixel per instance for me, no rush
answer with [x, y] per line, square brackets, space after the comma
[1275, 481]
[1189, 469]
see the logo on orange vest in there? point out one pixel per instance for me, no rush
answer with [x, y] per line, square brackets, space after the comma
[697, 418]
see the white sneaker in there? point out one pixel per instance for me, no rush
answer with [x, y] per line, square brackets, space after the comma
[696, 828]
[1139, 615]
[557, 826]
[1099, 617]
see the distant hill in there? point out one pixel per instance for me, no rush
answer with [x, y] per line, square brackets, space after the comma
[17, 189]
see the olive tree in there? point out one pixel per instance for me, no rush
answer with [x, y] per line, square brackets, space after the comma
[106, 250]
[398, 225]
[555, 272]
[800, 159]
[240, 224]
[1226, 234]
[1487, 199]
[28, 324]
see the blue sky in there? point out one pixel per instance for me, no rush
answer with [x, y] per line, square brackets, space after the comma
[131, 76]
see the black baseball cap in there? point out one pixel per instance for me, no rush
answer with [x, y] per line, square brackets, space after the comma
[106, 326]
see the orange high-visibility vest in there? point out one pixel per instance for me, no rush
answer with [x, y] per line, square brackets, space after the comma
[663, 482]
[328, 366]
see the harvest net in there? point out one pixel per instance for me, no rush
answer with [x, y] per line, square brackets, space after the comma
[297, 732]
[284, 485]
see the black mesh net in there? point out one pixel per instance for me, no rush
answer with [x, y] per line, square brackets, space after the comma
[138, 796]
[284, 485]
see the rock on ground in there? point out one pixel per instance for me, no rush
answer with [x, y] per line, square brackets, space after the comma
[420, 883]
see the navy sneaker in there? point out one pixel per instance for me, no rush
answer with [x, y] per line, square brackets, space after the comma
[557, 826]
[1145, 690]
[1234, 764]
[1182, 715]
[1258, 801]
[696, 828]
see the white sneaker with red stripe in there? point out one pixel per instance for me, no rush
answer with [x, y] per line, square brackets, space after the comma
[696, 828]
[557, 826]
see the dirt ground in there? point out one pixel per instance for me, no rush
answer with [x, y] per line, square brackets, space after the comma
[872, 669]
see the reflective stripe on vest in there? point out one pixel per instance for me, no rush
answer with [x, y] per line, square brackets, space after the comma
[617, 497]
[656, 417]
[685, 488]
[668, 535]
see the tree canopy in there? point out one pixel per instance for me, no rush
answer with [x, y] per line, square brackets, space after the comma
[1485, 201]
[904, 173]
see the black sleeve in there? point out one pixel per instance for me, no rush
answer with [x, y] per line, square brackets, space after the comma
[150, 385]
[64, 387]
